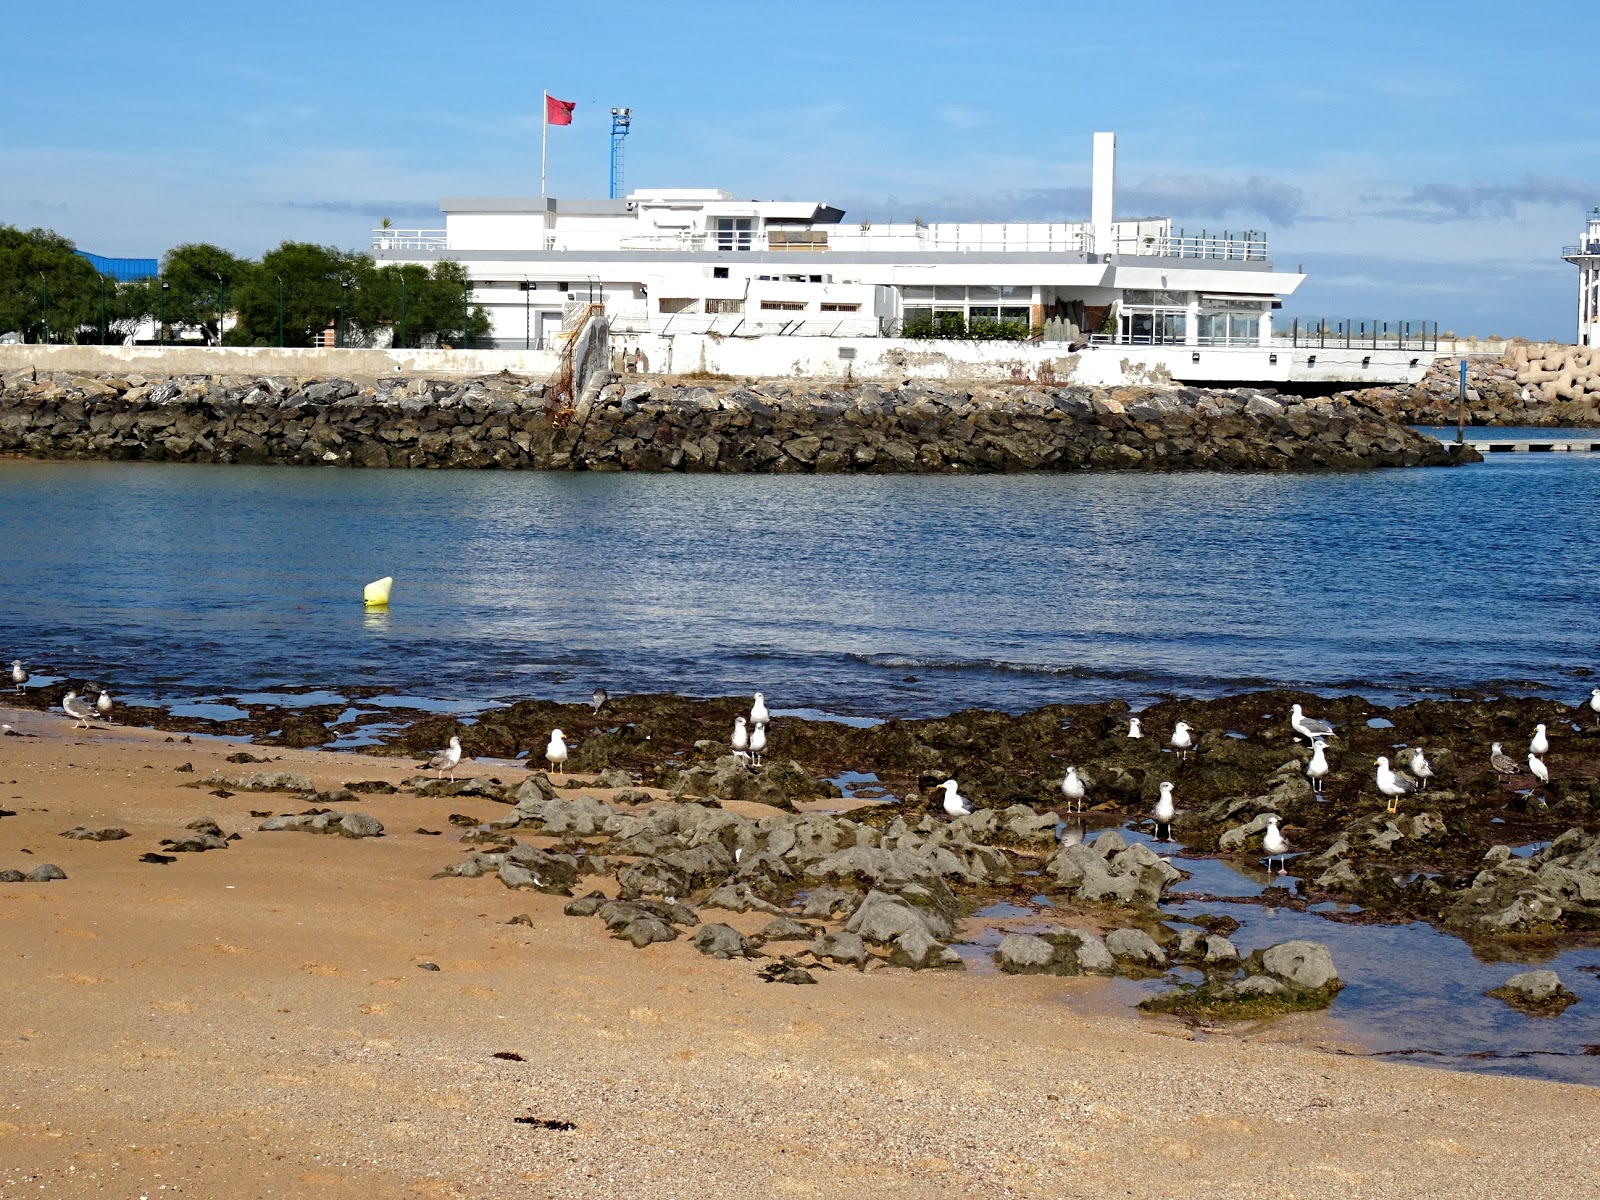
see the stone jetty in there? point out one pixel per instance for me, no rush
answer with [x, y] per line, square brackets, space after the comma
[694, 425]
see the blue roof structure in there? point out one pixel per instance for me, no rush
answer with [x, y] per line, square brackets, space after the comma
[124, 270]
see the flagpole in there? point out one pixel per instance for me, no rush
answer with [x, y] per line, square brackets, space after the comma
[544, 143]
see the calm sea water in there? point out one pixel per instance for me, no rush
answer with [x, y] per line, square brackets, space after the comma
[865, 595]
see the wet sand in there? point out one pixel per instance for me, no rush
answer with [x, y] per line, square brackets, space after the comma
[253, 1022]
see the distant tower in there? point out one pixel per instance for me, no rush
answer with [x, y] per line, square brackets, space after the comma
[1586, 257]
[621, 119]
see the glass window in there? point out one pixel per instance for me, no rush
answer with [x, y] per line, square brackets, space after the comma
[1016, 293]
[734, 233]
[1013, 313]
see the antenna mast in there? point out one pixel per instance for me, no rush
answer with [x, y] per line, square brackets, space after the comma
[621, 119]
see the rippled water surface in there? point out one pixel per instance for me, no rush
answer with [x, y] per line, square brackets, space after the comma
[867, 595]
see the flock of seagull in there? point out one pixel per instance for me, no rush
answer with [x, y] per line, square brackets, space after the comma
[749, 743]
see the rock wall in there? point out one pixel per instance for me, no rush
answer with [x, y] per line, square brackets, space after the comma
[1531, 384]
[779, 426]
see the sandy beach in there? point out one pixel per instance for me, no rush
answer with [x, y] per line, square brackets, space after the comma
[255, 1022]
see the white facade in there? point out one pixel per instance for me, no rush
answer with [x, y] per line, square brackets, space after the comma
[1586, 257]
[676, 262]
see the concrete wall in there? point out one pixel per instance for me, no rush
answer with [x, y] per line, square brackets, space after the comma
[896, 359]
[226, 360]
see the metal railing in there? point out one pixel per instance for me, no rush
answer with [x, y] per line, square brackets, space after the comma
[1249, 246]
[1587, 246]
[1319, 333]
[408, 239]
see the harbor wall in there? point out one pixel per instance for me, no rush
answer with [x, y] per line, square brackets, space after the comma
[869, 359]
[506, 422]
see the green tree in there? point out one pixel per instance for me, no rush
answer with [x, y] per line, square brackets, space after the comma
[434, 303]
[203, 281]
[43, 279]
[309, 277]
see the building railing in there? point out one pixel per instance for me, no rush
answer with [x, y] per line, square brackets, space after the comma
[1319, 333]
[1209, 342]
[1587, 246]
[1249, 246]
[408, 239]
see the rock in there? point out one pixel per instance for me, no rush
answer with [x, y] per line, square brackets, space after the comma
[739, 897]
[45, 873]
[1135, 946]
[826, 902]
[786, 929]
[95, 835]
[1538, 993]
[264, 781]
[720, 941]
[614, 778]
[843, 947]
[919, 950]
[359, 825]
[785, 970]
[1024, 954]
[1304, 966]
[1220, 952]
[10, 876]
[585, 906]
[196, 843]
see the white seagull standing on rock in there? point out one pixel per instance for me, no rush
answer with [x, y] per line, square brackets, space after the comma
[1540, 742]
[1181, 741]
[446, 759]
[80, 714]
[1073, 790]
[1135, 730]
[1317, 768]
[1165, 811]
[955, 804]
[758, 744]
[556, 752]
[1538, 770]
[1391, 785]
[20, 677]
[1276, 846]
[1308, 727]
[1420, 767]
[103, 705]
[758, 711]
[1594, 702]
[740, 739]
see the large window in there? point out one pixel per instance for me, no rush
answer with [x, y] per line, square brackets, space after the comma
[1230, 329]
[951, 310]
[1154, 326]
[733, 233]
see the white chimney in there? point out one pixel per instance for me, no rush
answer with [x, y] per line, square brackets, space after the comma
[1103, 192]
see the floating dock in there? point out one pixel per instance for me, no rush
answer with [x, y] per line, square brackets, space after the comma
[1562, 445]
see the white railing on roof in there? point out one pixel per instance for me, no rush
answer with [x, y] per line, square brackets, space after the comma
[745, 325]
[963, 237]
[408, 239]
[1249, 247]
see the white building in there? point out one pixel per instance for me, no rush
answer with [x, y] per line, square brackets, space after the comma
[1586, 257]
[676, 263]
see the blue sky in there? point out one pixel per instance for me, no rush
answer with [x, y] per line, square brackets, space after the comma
[1418, 159]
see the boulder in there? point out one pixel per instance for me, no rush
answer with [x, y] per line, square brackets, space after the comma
[1024, 954]
[1538, 993]
[842, 947]
[1136, 947]
[721, 941]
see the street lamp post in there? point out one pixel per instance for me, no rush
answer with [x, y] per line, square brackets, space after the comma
[221, 304]
[344, 286]
[402, 271]
[44, 308]
[466, 312]
[102, 310]
[161, 314]
[280, 311]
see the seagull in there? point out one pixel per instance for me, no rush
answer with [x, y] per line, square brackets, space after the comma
[1165, 811]
[1073, 790]
[598, 700]
[1501, 762]
[1391, 785]
[1134, 731]
[556, 751]
[741, 739]
[1594, 699]
[103, 705]
[446, 759]
[1276, 845]
[1540, 743]
[80, 714]
[1421, 767]
[758, 712]
[1181, 741]
[1538, 770]
[1308, 727]
[758, 743]
[1317, 768]
[955, 804]
[20, 677]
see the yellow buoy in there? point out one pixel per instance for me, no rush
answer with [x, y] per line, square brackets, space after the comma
[376, 594]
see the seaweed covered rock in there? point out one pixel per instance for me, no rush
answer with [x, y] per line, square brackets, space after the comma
[1537, 993]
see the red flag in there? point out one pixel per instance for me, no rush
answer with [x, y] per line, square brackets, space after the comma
[558, 112]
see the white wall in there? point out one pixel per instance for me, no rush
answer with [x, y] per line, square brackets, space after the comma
[229, 360]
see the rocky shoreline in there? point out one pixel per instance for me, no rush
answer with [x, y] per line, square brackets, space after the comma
[692, 425]
[1531, 384]
[1484, 857]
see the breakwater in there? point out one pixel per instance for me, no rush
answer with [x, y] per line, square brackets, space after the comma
[1552, 386]
[724, 426]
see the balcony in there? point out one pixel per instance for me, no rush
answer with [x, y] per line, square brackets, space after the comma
[1249, 246]
[1585, 248]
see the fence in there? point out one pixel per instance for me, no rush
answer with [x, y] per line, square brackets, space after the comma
[1319, 333]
